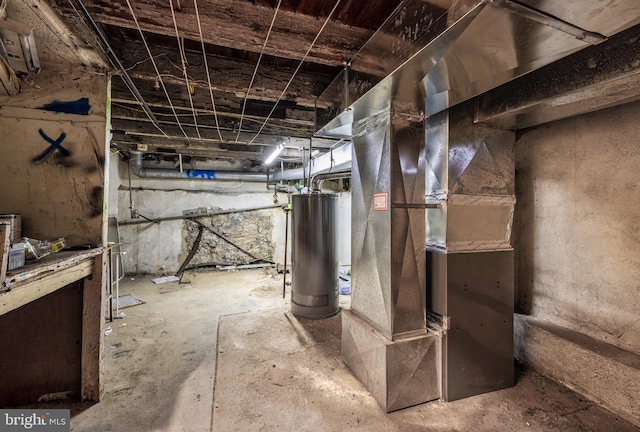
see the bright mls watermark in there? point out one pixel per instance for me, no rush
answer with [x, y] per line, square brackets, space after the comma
[35, 420]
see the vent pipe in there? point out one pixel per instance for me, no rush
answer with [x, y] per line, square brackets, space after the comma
[337, 160]
[162, 173]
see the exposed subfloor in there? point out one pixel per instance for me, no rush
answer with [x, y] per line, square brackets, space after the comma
[277, 373]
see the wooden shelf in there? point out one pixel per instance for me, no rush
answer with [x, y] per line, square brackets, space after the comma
[42, 277]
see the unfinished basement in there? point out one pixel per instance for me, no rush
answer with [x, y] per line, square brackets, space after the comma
[337, 215]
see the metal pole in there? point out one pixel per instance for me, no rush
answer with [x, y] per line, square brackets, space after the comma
[310, 160]
[227, 240]
[286, 242]
[111, 274]
[131, 210]
[118, 289]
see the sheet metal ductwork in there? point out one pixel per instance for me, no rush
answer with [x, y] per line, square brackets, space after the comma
[593, 79]
[470, 184]
[433, 190]
[432, 262]
[384, 337]
[448, 51]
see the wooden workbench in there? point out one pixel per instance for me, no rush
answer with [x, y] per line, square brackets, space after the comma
[30, 284]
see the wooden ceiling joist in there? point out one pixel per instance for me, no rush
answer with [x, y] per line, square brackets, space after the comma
[226, 75]
[240, 25]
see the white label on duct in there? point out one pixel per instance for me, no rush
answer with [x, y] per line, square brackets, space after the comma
[380, 201]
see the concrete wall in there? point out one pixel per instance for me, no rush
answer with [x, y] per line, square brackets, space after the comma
[577, 232]
[161, 248]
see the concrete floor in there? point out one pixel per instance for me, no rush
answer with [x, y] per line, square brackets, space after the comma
[277, 373]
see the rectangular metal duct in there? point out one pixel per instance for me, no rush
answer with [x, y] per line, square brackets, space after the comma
[449, 51]
[591, 80]
[600, 16]
[388, 224]
[384, 339]
[432, 211]
[470, 181]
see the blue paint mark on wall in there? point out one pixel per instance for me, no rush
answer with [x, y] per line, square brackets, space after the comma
[54, 144]
[201, 174]
[80, 106]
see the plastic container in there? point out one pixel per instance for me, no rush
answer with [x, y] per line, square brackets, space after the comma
[16, 256]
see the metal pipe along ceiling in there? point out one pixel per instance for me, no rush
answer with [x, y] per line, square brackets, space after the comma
[336, 161]
[162, 173]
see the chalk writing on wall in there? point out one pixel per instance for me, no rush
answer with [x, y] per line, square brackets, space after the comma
[54, 144]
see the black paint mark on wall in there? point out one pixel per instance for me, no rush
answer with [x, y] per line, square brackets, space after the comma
[54, 144]
[80, 106]
[95, 201]
[90, 169]
[64, 161]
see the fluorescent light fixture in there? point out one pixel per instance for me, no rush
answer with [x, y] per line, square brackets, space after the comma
[275, 154]
[315, 152]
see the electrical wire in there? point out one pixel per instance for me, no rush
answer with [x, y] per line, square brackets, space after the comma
[255, 71]
[202, 113]
[184, 67]
[206, 67]
[181, 79]
[96, 39]
[103, 41]
[155, 67]
[138, 63]
[275, 105]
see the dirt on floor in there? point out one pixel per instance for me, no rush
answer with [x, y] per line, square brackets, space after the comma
[221, 352]
[279, 373]
[160, 358]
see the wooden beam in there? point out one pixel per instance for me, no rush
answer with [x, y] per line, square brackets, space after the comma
[224, 20]
[5, 245]
[298, 124]
[186, 149]
[208, 133]
[227, 75]
[287, 119]
[159, 144]
[137, 130]
[93, 308]
[208, 130]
